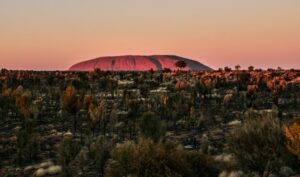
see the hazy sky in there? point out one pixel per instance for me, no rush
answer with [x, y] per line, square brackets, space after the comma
[53, 34]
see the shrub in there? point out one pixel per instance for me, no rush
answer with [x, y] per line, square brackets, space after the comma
[96, 115]
[167, 70]
[27, 146]
[152, 127]
[67, 152]
[82, 157]
[292, 134]
[259, 144]
[150, 159]
[122, 160]
[28, 142]
[100, 153]
[181, 85]
[71, 104]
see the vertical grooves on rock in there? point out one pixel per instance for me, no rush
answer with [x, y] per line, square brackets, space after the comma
[156, 62]
[137, 63]
[113, 63]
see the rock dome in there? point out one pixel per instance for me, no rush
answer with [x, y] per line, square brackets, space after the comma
[137, 63]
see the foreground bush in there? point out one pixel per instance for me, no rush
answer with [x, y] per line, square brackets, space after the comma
[150, 159]
[292, 134]
[259, 144]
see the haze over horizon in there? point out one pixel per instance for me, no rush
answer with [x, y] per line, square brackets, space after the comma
[53, 35]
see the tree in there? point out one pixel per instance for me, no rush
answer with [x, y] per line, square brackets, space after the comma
[23, 103]
[96, 115]
[71, 104]
[112, 85]
[152, 127]
[250, 68]
[113, 116]
[237, 67]
[180, 64]
[87, 101]
[133, 105]
[167, 70]
[4, 105]
[279, 68]
[227, 69]
[27, 133]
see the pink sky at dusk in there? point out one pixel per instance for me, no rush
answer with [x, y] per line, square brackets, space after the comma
[53, 35]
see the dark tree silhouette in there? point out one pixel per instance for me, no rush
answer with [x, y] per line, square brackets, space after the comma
[251, 68]
[180, 64]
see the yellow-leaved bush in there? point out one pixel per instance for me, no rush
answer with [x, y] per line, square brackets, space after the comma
[292, 133]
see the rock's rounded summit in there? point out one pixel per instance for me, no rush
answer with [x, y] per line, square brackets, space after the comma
[137, 63]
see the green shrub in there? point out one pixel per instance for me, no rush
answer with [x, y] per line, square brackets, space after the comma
[259, 144]
[100, 153]
[152, 127]
[150, 159]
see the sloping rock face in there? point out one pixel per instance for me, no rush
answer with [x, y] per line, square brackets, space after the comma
[137, 63]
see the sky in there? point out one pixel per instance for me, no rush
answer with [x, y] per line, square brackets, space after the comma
[53, 35]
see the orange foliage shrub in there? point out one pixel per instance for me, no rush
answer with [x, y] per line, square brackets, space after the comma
[270, 85]
[292, 134]
[282, 85]
[252, 89]
[181, 85]
[71, 102]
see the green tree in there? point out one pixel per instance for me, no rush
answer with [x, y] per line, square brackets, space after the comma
[152, 127]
